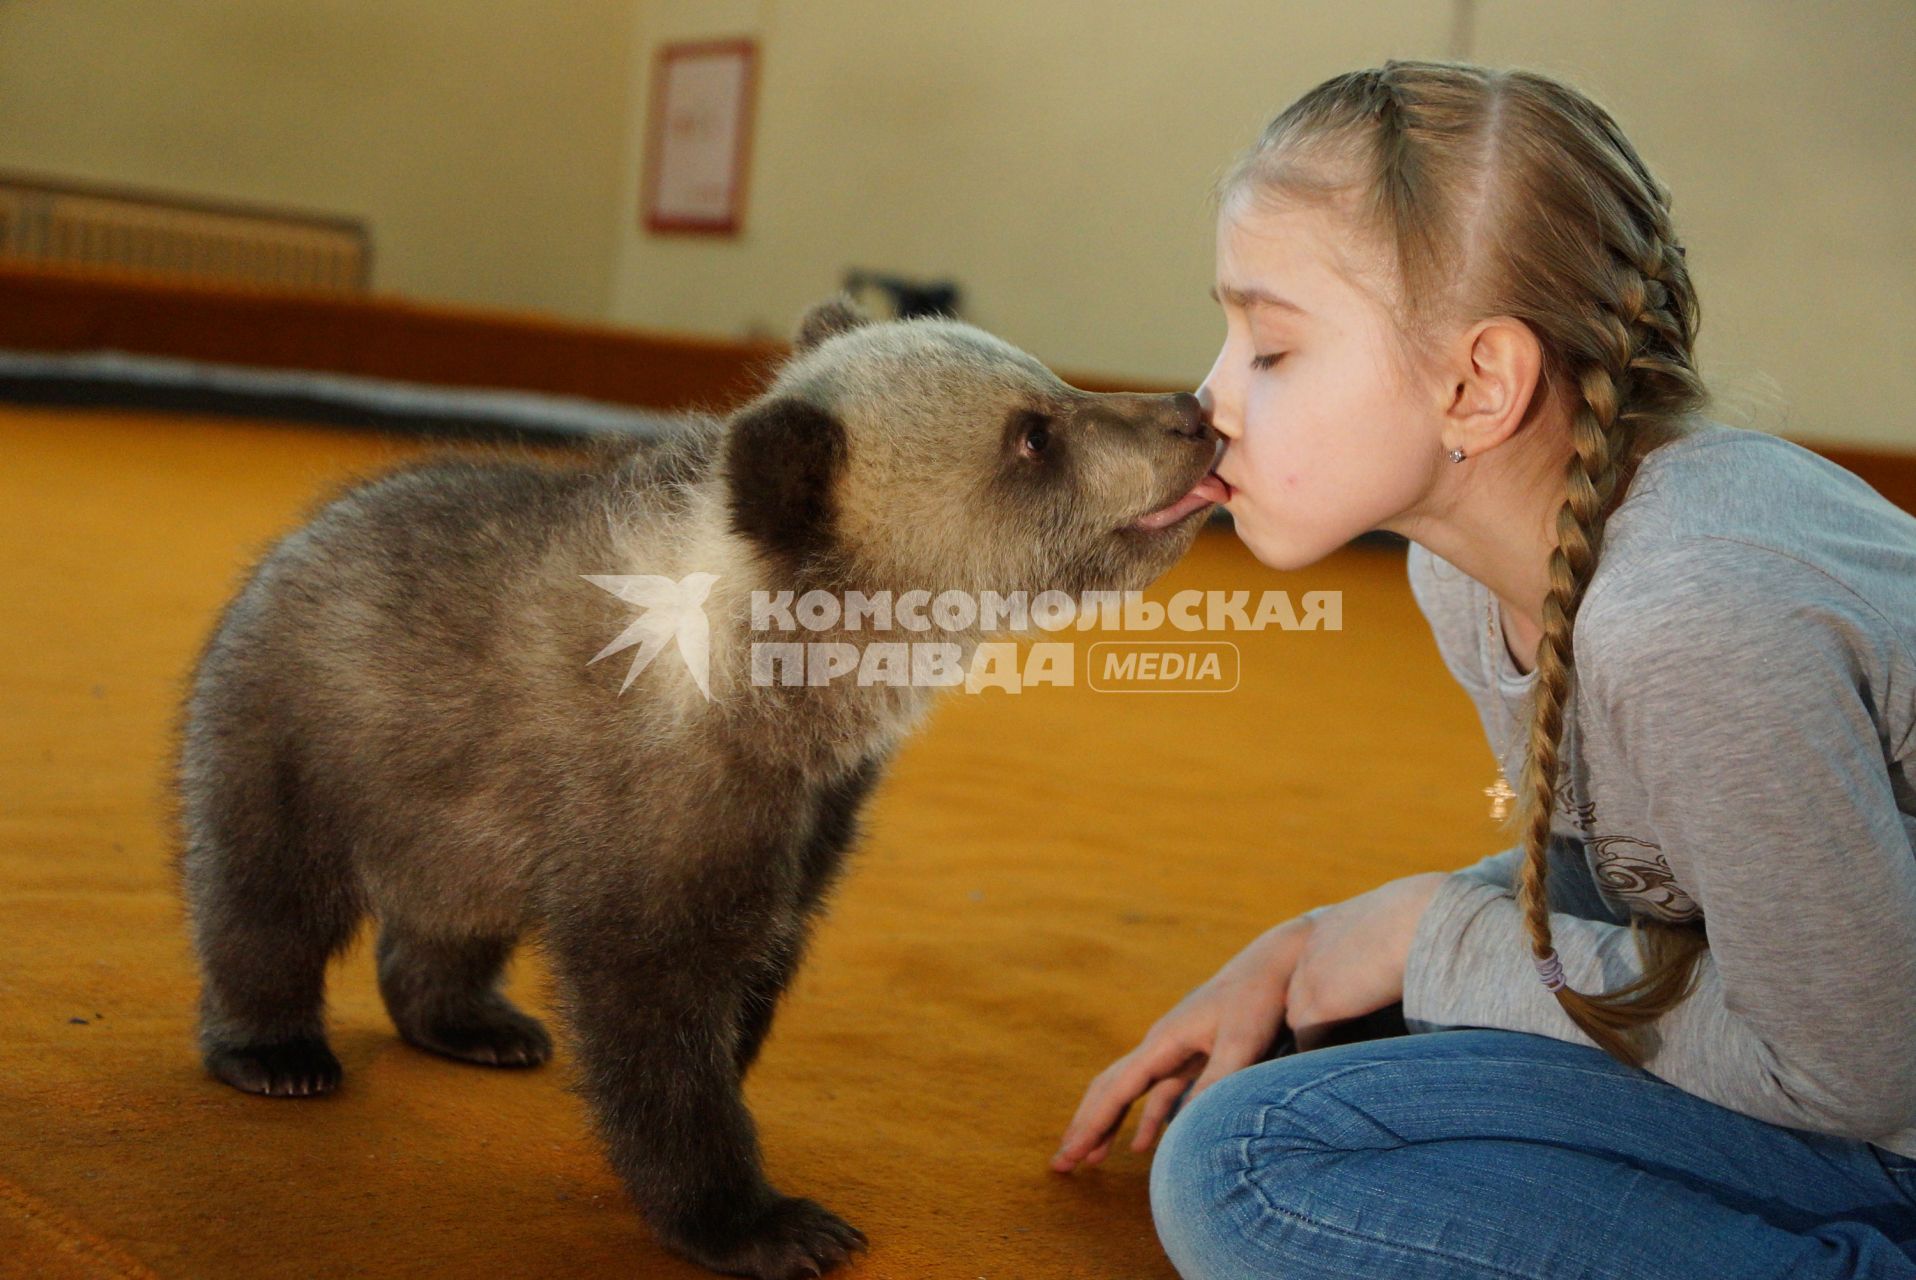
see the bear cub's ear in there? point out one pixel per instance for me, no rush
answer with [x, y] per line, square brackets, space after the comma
[828, 318]
[782, 457]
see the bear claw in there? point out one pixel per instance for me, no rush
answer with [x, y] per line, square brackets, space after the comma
[506, 1038]
[791, 1239]
[304, 1068]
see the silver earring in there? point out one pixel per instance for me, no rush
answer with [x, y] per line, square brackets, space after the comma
[1456, 455]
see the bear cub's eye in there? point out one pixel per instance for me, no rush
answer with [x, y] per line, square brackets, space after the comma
[1034, 434]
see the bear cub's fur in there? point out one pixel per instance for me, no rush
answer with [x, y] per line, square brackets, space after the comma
[398, 716]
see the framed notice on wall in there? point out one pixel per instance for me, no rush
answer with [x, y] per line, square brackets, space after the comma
[698, 137]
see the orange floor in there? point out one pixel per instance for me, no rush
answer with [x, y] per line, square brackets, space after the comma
[1042, 875]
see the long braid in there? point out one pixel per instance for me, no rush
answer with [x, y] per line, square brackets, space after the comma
[1638, 336]
[1589, 483]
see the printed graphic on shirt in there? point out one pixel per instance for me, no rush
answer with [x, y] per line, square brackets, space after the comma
[1583, 813]
[1635, 869]
[1627, 867]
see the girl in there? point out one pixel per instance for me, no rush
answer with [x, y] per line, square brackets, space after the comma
[1672, 1031]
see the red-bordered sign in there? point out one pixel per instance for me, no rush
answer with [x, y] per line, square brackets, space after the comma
[698, 136]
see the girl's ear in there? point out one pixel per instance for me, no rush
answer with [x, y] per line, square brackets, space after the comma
[782, 459]
[827, 319]
[1492, 380]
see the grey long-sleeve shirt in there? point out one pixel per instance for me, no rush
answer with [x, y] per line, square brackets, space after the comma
[1741, 749]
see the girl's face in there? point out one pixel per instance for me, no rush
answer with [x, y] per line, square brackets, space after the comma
[1331, 440]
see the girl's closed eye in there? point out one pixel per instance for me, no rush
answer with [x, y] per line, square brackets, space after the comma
[1265, 362]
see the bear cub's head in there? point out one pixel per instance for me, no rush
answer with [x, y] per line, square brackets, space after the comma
[929, 454]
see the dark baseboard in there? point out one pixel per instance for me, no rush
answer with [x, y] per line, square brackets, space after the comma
[377, 337]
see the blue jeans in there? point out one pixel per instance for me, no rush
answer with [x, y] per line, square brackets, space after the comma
[1474, 1152]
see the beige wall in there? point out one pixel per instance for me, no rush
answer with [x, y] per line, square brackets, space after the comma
[482, 140]
[1787, 134]
[1052, 155]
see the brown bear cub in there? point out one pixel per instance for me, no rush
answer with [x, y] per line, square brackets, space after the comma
[400, 716]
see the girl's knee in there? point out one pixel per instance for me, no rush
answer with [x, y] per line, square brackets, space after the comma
[1210, 1198]
[1256, 1176]
[1189, 1180]
[1197, 1146]
[1281, 1168]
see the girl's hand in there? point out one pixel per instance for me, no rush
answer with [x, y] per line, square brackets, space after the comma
[1344, 962]
[1227, 1023]
[1353, 961]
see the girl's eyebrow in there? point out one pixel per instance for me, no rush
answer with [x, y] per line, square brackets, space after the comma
[1248, 298]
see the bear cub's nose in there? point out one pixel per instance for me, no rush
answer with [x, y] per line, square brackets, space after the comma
[1190, 421]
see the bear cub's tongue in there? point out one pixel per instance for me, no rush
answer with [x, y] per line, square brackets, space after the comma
[1207, 491]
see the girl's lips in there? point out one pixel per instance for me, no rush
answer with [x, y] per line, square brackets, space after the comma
[1211, 489]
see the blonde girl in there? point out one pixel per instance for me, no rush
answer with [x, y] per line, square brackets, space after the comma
[1672, 1030]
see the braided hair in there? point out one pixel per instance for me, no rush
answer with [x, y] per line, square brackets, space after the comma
[1506, 192]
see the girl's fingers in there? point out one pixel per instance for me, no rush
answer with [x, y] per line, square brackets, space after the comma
[1093, 1127]
[1231, 1054]
[1095, 1117]
[1111, 1095]
[1158, 1102]
[1089, 1137]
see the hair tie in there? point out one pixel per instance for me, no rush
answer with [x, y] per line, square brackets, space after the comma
[1550, 969]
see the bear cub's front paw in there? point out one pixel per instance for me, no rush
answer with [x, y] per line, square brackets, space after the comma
[302, 1068]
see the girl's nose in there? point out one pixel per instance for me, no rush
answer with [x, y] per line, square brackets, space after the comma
[1207, 405]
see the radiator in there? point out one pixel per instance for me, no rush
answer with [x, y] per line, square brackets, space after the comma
[81, 226]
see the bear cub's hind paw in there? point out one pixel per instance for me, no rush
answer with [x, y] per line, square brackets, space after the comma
[793, 1238]
[303, 1068]
[499, 1036]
